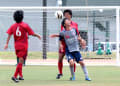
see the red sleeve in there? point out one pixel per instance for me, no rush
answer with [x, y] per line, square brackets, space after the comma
[9, 31]
[77, 28]
[29, 30]
[62, 28]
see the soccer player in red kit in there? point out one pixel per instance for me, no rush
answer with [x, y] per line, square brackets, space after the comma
[20, 31]
[67, 14]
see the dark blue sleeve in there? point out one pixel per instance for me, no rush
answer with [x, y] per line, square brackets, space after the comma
[76, 32]
[61, 37]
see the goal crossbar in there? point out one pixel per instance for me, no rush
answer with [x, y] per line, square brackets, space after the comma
[63, 7]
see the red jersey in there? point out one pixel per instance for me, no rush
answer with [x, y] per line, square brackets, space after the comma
[20, 32]
[73, 25]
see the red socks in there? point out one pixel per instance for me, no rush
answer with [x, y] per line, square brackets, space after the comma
[18, 70]
[60, 66]
[74, 67]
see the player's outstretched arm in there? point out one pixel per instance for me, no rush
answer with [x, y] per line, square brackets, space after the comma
[54, 35]
[6, 45]
[36, 35]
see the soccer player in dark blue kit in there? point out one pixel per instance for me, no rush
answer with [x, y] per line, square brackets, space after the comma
[71, 39]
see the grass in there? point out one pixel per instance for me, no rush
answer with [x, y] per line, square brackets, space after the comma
[46, 76]
[53, 55]
[31, 55]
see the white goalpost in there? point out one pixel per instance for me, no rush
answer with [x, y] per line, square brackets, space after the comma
[117, 32]
[98, 23]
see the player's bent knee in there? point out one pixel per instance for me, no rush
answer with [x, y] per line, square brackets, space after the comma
[81, 63]
[71, 63]
[21, 60]
[60, 60]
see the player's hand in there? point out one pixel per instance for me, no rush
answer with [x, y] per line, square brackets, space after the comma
[36, 35]
[83, 43]
[79, 38]
[39, 37]
[6, 46]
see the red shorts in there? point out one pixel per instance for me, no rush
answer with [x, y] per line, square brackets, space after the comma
[64, 46]
[21, 52]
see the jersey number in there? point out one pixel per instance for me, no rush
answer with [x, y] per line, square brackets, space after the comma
[18, 33]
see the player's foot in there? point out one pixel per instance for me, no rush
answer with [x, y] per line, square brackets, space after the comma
[59, 76]
[72, 78]
[21, 78]
[15, 79]
[87, 79]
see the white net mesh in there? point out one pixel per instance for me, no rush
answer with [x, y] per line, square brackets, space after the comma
[97, 25]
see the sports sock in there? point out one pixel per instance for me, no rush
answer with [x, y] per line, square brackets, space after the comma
[74, 67]
[60, 66]
[85, 71]
[72, 71]
[20, 70]
[17, 71]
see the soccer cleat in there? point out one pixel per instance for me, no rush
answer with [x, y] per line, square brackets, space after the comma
[87, 79]
[72, 78]
[15, 79]
[21, 78]
[59, 76]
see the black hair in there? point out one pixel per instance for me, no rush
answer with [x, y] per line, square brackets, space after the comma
[18, 16]
[68, 11]
[63, 22]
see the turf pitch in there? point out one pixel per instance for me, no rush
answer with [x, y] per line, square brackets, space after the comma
[46, 76]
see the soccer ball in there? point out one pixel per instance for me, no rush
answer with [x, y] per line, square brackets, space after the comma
[59, 14]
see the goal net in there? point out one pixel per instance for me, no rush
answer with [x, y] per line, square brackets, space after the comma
[98, 25]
